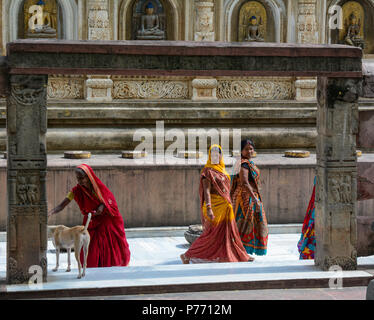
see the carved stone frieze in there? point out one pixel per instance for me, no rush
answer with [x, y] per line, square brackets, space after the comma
[65, 87]
[149, 89]
[259, 88]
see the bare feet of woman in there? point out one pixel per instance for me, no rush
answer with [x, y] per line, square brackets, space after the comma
[184, 259]
[251, 259]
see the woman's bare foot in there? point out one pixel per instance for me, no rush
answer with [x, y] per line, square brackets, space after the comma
[184, 259]
[251, 259]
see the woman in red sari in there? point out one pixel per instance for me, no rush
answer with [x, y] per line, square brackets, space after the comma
[108, 245]
[220, 240]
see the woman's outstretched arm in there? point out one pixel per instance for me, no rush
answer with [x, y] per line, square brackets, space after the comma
[60, 207]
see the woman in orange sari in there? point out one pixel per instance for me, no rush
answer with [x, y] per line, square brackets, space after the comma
[248, 207]
[220, 240]
[108, 244]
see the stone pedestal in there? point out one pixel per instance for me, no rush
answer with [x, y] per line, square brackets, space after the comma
[204, 21]
[99, 89]
[336, 185]
[306, 89]
[204, 89]
[26, 178]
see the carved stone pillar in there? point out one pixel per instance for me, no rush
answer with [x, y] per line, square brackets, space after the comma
[98, 20]
[98, 88]
[204, 21]
[336, 185]
[307, 32]
[26, 177]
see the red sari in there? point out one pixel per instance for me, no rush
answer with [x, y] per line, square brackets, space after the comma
[220, 240]
[108, 245]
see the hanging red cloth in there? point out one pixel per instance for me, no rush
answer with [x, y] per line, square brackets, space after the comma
[108, 244]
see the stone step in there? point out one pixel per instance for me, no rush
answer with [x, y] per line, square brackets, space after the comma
[184, 278]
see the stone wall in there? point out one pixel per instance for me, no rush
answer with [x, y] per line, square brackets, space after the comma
[286, 190]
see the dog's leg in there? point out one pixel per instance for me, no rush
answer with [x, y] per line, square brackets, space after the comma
[77, 251]
[85, 251]
[69, 261]
[57, 259]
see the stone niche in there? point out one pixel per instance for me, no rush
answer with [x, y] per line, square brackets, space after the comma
[39, 19]
[364, 12]
[161, 8]
[242, 18]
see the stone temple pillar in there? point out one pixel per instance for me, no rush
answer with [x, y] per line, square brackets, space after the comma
[26, 177]
[336, 189]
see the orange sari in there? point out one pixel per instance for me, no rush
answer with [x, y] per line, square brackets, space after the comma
[220, 240]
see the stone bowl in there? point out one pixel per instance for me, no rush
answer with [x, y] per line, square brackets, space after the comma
[193, 232]
[77, 154]
[127, 154]
[296, 154]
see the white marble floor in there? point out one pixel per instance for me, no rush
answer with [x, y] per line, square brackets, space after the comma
[166, 251]
[155, 261]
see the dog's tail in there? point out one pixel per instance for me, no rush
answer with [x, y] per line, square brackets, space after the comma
[88, 222]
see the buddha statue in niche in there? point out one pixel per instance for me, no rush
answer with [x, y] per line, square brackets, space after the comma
[353, 37]
[253, 31]
[40, 22]
[150, 25]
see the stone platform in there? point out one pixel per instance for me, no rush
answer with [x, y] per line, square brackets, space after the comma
[155, 267]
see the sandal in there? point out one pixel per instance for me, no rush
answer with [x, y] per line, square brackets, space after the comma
[251, 259]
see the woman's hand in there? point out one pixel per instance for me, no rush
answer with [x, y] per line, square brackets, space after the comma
[51, 212]
[210, 213]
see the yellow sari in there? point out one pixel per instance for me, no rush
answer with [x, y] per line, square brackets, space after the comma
[220, 240]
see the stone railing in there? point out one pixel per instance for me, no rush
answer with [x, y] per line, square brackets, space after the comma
[62, 87]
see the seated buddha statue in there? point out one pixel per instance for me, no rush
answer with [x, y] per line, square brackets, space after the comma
[39, 24]
[253, 32]
[353, 37]
[150, 25]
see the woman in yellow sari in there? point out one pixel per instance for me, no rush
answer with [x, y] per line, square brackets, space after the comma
[220, 240]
